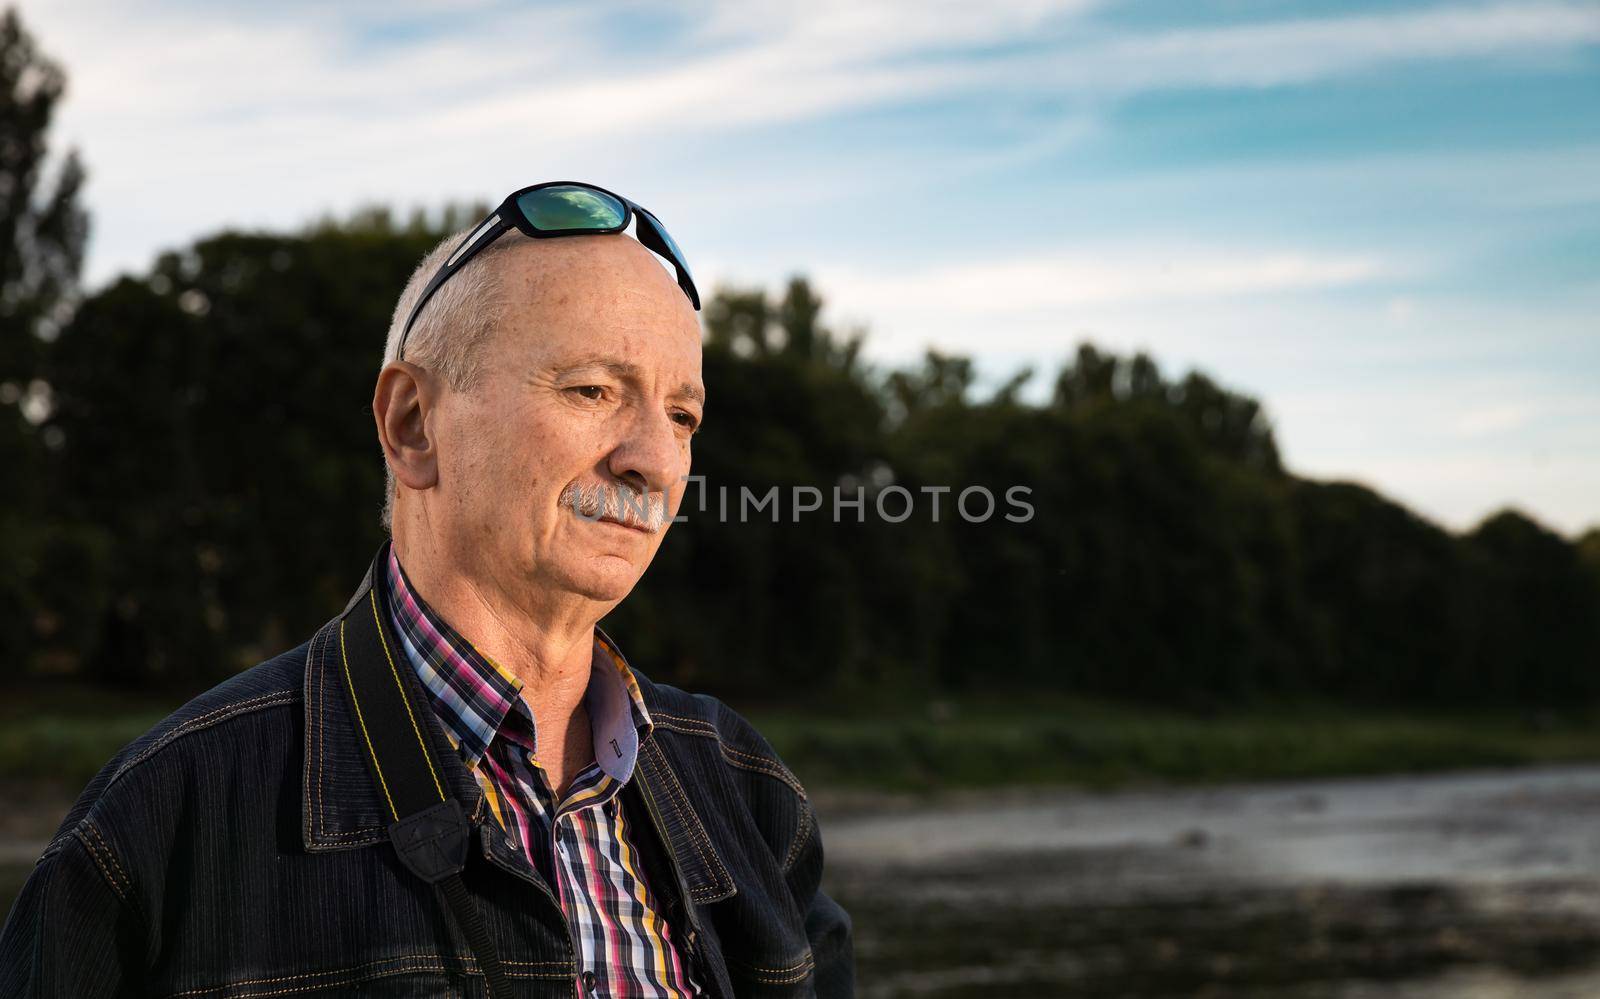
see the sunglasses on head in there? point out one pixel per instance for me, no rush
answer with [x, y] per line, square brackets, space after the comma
[558, 208]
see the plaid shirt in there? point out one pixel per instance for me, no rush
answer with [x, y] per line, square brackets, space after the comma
[625, 947]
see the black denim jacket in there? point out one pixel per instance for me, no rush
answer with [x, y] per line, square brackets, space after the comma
[239, 849]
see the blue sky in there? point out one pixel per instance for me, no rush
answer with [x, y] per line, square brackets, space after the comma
[1382, 219]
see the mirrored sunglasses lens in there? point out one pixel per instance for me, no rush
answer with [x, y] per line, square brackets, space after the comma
[569, 207]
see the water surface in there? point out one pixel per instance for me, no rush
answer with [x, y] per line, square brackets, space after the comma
[1470, 885]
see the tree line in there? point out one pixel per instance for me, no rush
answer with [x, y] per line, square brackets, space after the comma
[194, 485]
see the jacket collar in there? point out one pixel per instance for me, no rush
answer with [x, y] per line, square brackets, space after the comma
[341, 808]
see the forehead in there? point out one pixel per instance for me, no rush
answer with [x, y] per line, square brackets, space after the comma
[582, 298]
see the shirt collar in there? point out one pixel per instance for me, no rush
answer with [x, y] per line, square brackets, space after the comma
[476, 699]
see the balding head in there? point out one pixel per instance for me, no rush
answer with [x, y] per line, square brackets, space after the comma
[564, 280]
[584, 282]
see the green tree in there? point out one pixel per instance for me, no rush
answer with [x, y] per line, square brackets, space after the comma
[216, 426]
[42, 233]
[1387, 598]
[1534, 623]
[42, 226]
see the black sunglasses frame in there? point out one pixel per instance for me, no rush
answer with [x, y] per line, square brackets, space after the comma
[510, 216]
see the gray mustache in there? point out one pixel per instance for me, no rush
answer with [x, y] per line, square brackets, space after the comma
[600, 501]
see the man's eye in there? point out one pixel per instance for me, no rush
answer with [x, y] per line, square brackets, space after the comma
[686, 420]
[592, 392]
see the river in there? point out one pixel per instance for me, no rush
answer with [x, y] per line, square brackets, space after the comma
[1467, 886]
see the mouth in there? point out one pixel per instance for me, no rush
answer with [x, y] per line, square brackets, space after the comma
[615, 522]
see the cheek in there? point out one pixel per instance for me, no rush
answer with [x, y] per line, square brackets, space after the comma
[471, 465]
[545, 456]
[532, 452]
[486, 458]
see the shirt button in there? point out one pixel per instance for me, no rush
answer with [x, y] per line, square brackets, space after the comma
[588, 981]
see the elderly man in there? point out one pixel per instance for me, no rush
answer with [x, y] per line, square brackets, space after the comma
[458, 786]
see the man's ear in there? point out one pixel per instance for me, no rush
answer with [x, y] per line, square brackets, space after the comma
[401, 406]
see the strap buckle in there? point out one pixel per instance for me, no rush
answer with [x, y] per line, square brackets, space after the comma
[433, 842]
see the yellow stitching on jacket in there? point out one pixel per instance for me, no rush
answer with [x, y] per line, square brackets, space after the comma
[367, 834]
[221, 714]
[798, 976]
[780, 980]
[217, 716]
[322, 739]
[762, 765]
[677, 810]
[314, 687]
[411, 963]
[421, 743]
[703, 847]
[374, 833]
[801, 837]
[701, 723]
[774, 976]
[111, 882]
[764, 970]
[111, 855]
[353, 700]
[400, 969]
[679, 805]
[759, 764]
[305, 767]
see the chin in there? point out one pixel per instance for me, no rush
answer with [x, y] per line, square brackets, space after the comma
[607, 584]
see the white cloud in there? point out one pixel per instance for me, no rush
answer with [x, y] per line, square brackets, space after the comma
[1066, 287]
[1458, 492]
[1487, 421]
[195, 116]
[1492, 419]
[1289, 52]
[1450, 184]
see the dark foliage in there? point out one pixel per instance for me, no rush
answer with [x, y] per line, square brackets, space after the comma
[42, 233]
[193, 484]
[216, 484]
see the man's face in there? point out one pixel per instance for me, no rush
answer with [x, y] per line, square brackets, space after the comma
[591, 380]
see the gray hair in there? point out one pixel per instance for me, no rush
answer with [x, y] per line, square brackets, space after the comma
[456, 322]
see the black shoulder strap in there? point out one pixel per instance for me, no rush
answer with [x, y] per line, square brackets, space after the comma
[429, 830]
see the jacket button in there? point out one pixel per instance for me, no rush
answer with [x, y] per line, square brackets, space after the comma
[588, 981]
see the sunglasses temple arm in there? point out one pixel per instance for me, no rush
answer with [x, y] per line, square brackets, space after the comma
[487, 232]
[688, 288]
[656, 242]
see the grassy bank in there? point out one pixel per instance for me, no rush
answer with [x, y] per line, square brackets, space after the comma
[62, 737]
[1103, 745]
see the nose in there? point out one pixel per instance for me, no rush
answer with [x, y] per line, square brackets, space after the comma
[652, 456]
